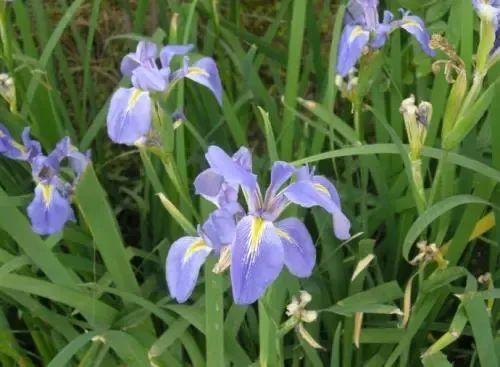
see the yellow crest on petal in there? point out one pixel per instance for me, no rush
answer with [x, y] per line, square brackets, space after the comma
[136, 94]
[356, 32]
[196, 246]
[47, 193]
[321, 188]
[256, 232]
[197, 71]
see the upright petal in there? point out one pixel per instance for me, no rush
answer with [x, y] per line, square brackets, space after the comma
[256, 259]
[233, 173]
[33, 147]
[49, 211]
[64, 149]
[129, 115]
[353, 40]
[144, 55]
[280, 173]
[169, 52]
[184, 260]
[148, 79]
[362, 12]
[204, 72]
[243, 157]
[299, 250]
[416, 27]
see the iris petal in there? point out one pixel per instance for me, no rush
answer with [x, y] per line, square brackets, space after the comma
[352, 42]
[144, 55]
[169, 52]
[204, 72]
[309, 193]
[9, 147]
[149, 79]
[231, 171]
[256, 259]
[280, 173]
[129, 115]
[416, 27]
[184, 260]
[49, 211]
[299, 250]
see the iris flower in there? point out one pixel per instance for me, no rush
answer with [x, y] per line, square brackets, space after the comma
[363, 29]
[50, 208]
[130, 112]
[261, 242]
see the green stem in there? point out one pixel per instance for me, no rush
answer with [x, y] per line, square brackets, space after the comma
[214, 316]
[416, 171]
[175, 178]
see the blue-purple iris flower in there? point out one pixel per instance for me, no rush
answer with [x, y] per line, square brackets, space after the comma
[260, 242]
[50, 208]
[130, 112]
[363, 29]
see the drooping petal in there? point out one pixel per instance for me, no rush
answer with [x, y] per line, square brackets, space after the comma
[9, 147]
[204, 72]
[144, 55]
[167, 53]
[416, 27]
[353, 40]
[308, 194]
[256, 259]
[49, 211]
[299, 250]
[148, 79]
[231, 171]
[129, 115]
[184, 260]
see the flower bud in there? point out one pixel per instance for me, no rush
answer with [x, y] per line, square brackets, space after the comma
[455, 101]
[489, 24]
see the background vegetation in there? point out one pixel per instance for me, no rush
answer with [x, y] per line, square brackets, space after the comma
[95, 295]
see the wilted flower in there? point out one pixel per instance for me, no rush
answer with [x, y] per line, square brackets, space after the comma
[259, 243]
[363, 30]
[428, 253]
[298, 315]
[50, 208]
[131, 111]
